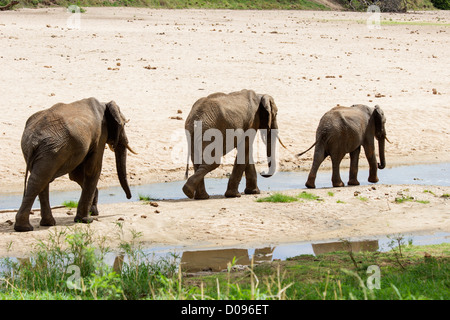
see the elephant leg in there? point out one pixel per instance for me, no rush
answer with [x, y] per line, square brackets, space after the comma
[94, 210]
[336, 176]
[251, 186]
[353, 175]
[240, 165]
[235, 179]
[200, 191]
[35, 185]
[319, 156]
[77, 175]
[371, 158]
[197, 178]
[22, 222]
[92, 169]
[46, 212]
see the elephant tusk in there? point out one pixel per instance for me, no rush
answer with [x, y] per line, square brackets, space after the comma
[279, 140]
[131, 150]
[387, 139]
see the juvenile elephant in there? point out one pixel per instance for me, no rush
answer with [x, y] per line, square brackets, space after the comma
[233, 120]
[344, 130]
[70, 138]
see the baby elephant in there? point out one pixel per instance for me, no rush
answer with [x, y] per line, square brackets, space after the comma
[70, 138]
[344, 130]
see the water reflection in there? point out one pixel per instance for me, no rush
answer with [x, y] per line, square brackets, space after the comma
[351, 246]
[213, 260]
[218, 260]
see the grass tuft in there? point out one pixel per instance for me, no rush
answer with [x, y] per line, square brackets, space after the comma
[403, 199]
[277, 197]
[70, 204]
[308, 196]
[280, 197]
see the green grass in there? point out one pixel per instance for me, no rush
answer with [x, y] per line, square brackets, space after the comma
[280, 197]
[277, 197]
[146, 198]
[70, 265]
[191, 4]
[403, 199]
[411, 5]
[70, 204]
[308, 196]
[413, 23]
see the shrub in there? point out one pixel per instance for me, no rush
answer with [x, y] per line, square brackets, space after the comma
[441, 4]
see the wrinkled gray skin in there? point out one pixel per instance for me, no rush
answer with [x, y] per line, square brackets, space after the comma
[237, 110]
[70, 138]
[344, 130]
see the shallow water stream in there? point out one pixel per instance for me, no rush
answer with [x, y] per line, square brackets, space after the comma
[427, 174]
[200, 259]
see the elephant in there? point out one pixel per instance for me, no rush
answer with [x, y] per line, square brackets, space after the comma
[344, 130]
[70, 138]
[237, 116]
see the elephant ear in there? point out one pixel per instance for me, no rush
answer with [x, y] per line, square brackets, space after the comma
[267, 104]
[378, 115]
[115, 122]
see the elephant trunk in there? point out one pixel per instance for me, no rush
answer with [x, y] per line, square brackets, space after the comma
[381, 144]
[121, 165]
[271, 159]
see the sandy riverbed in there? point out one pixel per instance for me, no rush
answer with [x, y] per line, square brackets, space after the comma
[156, 63]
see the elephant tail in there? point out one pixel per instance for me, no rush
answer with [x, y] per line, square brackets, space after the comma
[25, 181]
[301, 153]
[29, 161]
[186, 174]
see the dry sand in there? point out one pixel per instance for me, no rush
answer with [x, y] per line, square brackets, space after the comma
[156, 63]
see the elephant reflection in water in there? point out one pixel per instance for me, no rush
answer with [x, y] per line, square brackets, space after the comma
[351, 246]
[219, 260]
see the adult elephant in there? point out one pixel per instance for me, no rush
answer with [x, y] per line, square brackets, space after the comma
[221, 122]
[70, 138]
[344, 130]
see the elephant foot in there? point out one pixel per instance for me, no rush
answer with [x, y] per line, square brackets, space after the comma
[353, 182]
[201, 196]
[23, 227]
[188, 191]
[83, 219]
[232, 194]
[252, 191]
[48, 222]
[373, 179]
[338, 184]
[310, 185]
